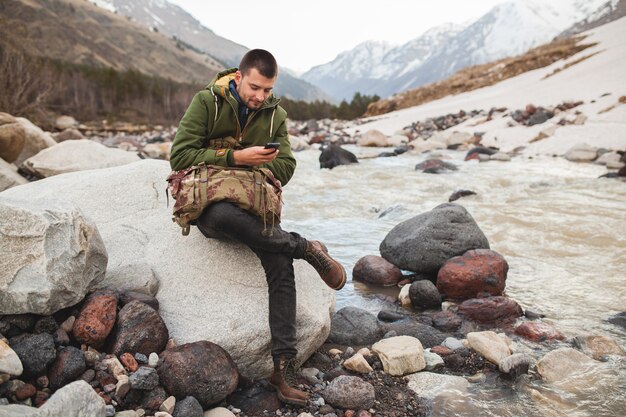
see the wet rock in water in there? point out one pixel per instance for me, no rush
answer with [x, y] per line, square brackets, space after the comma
[494, 347]
[68, 366]
[401, 149]
[129, 296]
[427, 335]
[516, 364]
[479, 150]
[538, 331]
[561, 363]
[424, 295]
[581, 152]
[201, 369]
[425, 242]
[435, 166]
[334, 155]
[374, 138]
[533, 315]
[36, 352]
[350, 392]
[9, 361]
[145, 378]
[255, 400]
[355, 326]
[189, 407]
[400, 355]
[446, 321]
[618, 319]
[376, 270]
[490, 309]
[387, 154]
[428, 385]
[139, 328]
[460, 193]
[54, 248]
[390, 316]
[96, 319]
[598, 346]
[475, 272]
[12, 139]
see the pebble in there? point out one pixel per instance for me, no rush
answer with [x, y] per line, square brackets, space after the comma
[4, 401]
[122, 387]
[128, 413]
[68, 324]
[168, 405]
[153, 360]
[335, 352]
[365, 352]
[310, 374]
[91, 356]
[162, 414]
[114, 366]
[141, 358]
[109, 411]
[129, 362]
[145, 378]
[452, 343]
[349, 352]
[109, 388]
[4, 378]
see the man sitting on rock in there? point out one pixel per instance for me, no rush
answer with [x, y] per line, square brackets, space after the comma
[228, 124]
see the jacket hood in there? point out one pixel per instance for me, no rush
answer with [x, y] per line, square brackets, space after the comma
[219, 86]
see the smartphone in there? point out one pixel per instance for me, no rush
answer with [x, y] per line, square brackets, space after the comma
[272, 145]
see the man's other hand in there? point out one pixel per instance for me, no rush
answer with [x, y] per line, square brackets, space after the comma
[254, 156]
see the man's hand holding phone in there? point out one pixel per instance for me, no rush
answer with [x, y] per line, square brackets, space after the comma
[256, 155]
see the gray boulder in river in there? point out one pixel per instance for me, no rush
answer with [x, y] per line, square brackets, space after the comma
[209, 289]
[425, 242]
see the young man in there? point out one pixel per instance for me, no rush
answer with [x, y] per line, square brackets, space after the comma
[228, 124]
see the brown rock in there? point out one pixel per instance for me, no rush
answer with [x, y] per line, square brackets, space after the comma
[105, 378]
[129, 296]
[441, 350]
[490, 309]
[376, 270]
[96, 319]
[538, 331]
[475, 272]
[129, 362]
[69, 134]
[25, 391]
[40, 398]
[140, 329]
[68, 366]
[12, 139]
[6, 118]
[210, 368]
[446, 321]
[349, 413]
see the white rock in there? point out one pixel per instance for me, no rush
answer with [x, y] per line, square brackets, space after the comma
[65, 122]
[162, 414]
[158, 150]
[153, 360]
[298, 144]
[122, 387]
[397, 140]
[599, 346]
[77, 399]
[430, 385]
[18, 410]
[127, 413]
[580, 119]
[452, 343]
[365, 352]
[218, 412]
[581, 153]
[608, 157]
[563, 363]
[373, 138]
[76, 155]
[400, 355]
[433, 361]
[421, 146]
[357, 363]
[458, 138]
[614, 165]
[168, 405]
[135, 276]
[139, 230]
[50, 255]
[115, 367]
[305, 415]
[335, 352]
[9, 176]
[403, 296]
[36, 140]
[9, 361]
[492, 346]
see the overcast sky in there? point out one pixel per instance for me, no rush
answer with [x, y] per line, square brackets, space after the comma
[302, 34]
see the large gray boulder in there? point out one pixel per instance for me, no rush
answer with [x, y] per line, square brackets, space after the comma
[209, 289]
[36, 140]
[425, 242]
[9, 176]
[76, 155]
[50, 254]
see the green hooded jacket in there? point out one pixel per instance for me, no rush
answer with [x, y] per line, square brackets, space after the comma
[212, 114]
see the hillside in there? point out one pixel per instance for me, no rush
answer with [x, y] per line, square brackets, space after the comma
[78, 32]
[478, 76]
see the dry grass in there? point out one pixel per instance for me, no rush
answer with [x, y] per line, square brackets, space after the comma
[569, 64]
[484, 75]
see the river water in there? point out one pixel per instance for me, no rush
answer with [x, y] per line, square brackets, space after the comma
[560, 228]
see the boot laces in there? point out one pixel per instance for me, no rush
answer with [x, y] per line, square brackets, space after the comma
[289, 372]
[319, 260]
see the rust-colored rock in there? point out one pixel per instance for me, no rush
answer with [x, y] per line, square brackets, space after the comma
[473, 273]
[441, 350]
[40, 398]
[129, 362]
[25, 391]
[201, 369]
[490, 309]
[12, 140]
[96, 319]
[140, 329]
[376, 270]
[538, 331]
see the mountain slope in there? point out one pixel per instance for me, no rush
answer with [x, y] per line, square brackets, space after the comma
[77, 32]
[507, 29]
[607, 12]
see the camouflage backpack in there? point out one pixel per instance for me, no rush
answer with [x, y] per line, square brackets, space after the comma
[253, 189]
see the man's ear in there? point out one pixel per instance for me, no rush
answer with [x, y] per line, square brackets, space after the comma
[238, 77]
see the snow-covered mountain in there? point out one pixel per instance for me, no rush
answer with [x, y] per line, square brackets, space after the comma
[173, 21]
[607, 12]
[508, 29]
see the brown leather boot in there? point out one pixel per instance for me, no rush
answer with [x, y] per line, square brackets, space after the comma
[284, 380]
[331, 271]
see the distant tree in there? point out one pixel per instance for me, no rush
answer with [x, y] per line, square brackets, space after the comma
[302, 110]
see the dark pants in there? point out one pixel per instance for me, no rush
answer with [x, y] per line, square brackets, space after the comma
[276, 253]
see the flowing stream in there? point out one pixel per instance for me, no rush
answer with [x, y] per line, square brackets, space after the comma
[560, 228]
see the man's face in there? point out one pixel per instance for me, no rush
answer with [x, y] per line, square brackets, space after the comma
[253, 88]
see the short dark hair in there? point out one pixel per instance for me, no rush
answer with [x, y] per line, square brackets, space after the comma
[263, 61]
